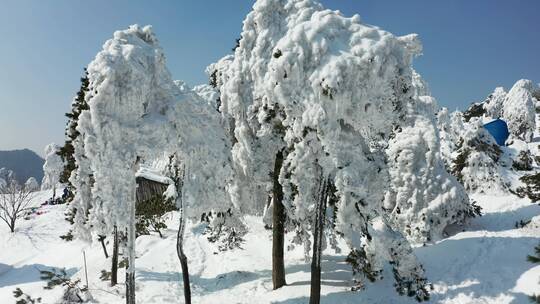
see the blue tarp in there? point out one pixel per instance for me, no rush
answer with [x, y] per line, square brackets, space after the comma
[499, 130]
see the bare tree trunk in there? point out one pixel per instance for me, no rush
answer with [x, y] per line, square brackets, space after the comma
[101, 239]
[12, 225]
[114, 266]
[315, 296]
[182, 256]
[278, 227]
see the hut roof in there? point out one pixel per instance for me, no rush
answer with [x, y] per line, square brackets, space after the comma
[150, 184]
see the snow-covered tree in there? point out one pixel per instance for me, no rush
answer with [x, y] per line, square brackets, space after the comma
[52, 168]
[317, 91]
[117, 108]
[519, 110]
[31, 184]
[258, 150]
[494, 103]
[450, 127]
[137, 113]
[423, 198]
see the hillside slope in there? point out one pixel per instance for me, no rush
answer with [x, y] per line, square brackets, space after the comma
[25, 163]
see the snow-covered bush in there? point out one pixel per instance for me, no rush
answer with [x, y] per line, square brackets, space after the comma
[52, 168]
[531, 187]
[519, 110]
[478, 162]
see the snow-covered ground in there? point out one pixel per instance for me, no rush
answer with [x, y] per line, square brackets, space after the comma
[484, 262]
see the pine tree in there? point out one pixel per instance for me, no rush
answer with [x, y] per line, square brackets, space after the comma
[67, 151]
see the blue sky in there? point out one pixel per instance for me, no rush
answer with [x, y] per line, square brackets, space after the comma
[470, 47]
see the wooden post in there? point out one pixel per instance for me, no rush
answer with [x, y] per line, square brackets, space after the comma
[85, 268]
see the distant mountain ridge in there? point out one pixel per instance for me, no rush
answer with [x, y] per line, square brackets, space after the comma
[24, 163]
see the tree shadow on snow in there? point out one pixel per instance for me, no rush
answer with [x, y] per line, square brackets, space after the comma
[220, 282]
[335, 272]
[478, 266]
[501, 221]
[12, 276]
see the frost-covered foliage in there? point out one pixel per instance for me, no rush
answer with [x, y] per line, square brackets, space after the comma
[423, 198]
[405, 266]
[450, 126]
[474, 157]
[182, 86]
[31, 184]
[82, 179]
[7, 174]
[52, 168]
[67, 151]
[494, 103]
[519, 110]
[209, 93]
[325, 88]
[137, 112]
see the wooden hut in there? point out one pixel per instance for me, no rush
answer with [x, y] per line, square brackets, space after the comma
[150, 184]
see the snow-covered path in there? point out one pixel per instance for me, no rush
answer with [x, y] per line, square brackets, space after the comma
[486, 263]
